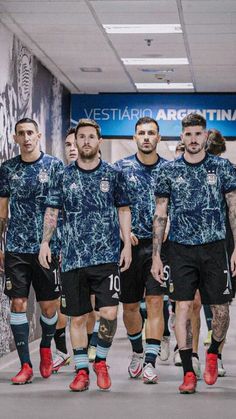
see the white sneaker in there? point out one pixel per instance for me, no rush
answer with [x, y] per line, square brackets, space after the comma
[136, 365]
[59, 360]
[177, 359]
[92, 353]
[149, 374]
[221, 370]
[165, 348]
[197, 367]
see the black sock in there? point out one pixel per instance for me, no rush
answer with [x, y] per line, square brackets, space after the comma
[219, 356]
[176, 347]
[186, 358]
[136, 342]
[48, 330]
[195, 355]
[20, 330]
[89, 335]
[60, 340]
[166, 318]
[214, 346]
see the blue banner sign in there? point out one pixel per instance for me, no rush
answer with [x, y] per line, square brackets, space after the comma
[118, 113]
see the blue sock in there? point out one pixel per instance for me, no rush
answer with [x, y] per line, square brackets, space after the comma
[20, 329]
[48, 330]
[102, 350]
[152, 349]
[81, 359]
[94, 338]
[136, 342]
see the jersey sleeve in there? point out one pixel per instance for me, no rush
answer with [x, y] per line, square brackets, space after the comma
[4, 182]
[122, 192]
[55, 194]
[162, 187]
[228, 177]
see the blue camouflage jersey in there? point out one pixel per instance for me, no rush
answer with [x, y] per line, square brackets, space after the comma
[89, 199]
[26, 184]
[142, 179]
[196, 192]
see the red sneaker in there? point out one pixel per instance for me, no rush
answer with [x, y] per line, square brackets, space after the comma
[80, 382]
[103, 378]
[211, 369]
[24, 376]
[46, 362]
[189, 384]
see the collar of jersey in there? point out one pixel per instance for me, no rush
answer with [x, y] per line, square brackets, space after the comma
[32, 162]
[90, 170]
[195, 164]
[148, 165]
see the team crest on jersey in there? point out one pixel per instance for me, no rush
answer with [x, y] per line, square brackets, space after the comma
[211, 178]
[43, 176]
[105, 185]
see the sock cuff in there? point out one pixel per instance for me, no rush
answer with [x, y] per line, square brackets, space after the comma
[135, 336]
[18, 318]
[49, 321]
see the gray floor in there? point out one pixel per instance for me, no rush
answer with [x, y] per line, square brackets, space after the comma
[128, 398]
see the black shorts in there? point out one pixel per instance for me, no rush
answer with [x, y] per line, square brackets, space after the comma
[22, 269]
[203, 266]
[78, 284]
[138, 277]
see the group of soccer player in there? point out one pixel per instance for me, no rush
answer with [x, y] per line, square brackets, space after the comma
[94, 234]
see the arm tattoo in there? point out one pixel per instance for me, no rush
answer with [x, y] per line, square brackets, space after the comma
[3, 222]
[50, 223]
[159, 224]
[231, 202]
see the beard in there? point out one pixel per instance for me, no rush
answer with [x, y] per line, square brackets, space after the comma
[196, 150]
[88, 154]
[147, 150]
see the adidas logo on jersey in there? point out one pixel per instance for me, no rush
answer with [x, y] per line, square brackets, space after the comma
[116, 295]
[180, 179]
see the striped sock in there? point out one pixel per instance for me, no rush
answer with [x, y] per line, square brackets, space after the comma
[48, 330]
[152, 349]
[102, 350]
[20, 329]
[136, 342]
[81, 359]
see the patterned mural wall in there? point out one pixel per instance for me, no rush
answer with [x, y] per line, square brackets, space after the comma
[27, 89]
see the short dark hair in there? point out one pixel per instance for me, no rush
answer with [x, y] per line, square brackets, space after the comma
[88, 123]
[27, 121]
[215, 142]
[192, 120]
[70, 131]
[146, 120]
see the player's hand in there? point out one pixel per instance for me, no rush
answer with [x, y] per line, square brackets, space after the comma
[233, 263]
[1, 261]
[125, 258]
[134, 239]
[45, 256]
[157, 269]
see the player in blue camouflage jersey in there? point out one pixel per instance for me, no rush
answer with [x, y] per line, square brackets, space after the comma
[94, 199]
[194, 190]
[141, 171]
[24, 185]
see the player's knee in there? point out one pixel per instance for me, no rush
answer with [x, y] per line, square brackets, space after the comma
[19, 305]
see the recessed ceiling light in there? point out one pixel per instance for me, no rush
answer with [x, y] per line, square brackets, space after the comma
[164, 86]
[155, 61]
[161, 28]
[91, 69]
[156, 71]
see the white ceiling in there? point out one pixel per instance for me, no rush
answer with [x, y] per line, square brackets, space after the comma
[68, 35]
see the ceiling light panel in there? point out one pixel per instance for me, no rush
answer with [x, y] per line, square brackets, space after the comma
[164, 86]
[155, 61]
[143, 28]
